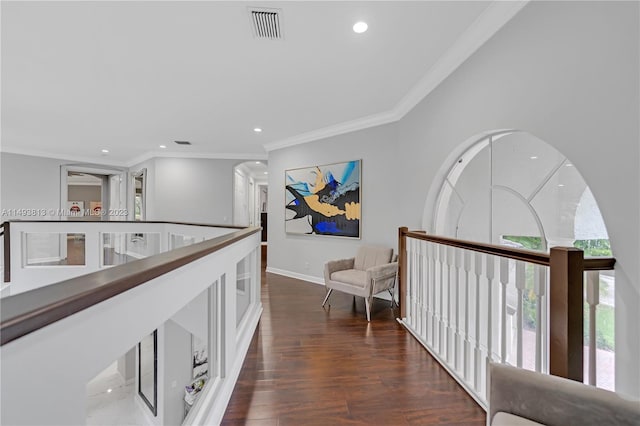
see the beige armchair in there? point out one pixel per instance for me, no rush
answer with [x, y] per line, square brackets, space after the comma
[370, 272]
[522, 397]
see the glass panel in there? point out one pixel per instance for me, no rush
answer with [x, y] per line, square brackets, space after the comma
[521, 162]
[513, 222]
[557, 204]
[148, 370]
[243, 286]
[111, 394]
[178, 240]
[54, 249]
[192, 326]
[121, 247]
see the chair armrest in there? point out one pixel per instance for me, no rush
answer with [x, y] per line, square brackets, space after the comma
[337, 265]
[553, 400]
[382, 277]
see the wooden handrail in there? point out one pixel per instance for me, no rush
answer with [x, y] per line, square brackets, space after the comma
[496, 250]
[529, 256]
[567, 266]
[210, 225]
[26, 312]
[599, 263]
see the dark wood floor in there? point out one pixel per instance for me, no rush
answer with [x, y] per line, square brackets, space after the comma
[311, 366]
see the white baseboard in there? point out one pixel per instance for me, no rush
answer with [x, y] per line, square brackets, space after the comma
[290, 274]
[316, 280]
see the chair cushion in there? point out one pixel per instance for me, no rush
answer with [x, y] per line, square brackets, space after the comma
[369, 256]
[350, 276]
[506, 419]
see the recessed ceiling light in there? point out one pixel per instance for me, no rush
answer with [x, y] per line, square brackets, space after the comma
[105, 151]
[257, 162]
[360, 27]
[109, 390]
[257, 129]
[266, 173]
[569, 165]
[533, 157]
[561, 185]
[163, 146]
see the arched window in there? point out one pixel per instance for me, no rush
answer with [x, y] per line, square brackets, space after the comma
[514, 189]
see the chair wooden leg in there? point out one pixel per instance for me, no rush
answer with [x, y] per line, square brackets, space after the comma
[368, 307]
[327, 297]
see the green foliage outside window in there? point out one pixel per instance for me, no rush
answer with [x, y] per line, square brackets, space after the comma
[605, 337]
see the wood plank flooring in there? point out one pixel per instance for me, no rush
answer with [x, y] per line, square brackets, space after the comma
[308, 365]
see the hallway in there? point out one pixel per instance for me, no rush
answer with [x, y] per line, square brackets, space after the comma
[311, 366]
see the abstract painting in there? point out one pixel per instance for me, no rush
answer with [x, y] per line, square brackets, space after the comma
[324, 200]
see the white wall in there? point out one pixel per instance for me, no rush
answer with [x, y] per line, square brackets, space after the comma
[177, 371]
[30, 182]
[381, 199]
[566, 72]
[194, 316]
[191, 190]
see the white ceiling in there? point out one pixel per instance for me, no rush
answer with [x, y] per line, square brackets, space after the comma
[78, 77]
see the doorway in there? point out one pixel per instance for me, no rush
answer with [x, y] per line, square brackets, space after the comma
[90, 193]
[87, 194]
[249, 194]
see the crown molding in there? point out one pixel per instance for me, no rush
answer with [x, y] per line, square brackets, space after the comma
[71, 158]
[489, 22]
[212, 156]
[137, 160]
[335, 130]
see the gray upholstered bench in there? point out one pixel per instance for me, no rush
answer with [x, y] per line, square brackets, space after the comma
[520, 397]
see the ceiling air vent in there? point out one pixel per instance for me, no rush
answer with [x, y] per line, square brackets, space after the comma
[183, 142]
[266, 23]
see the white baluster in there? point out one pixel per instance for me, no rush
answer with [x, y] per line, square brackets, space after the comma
[441, 327]
[456, 340]
[520, 286]
[424, 283]
[539, 286]
[466, 357]
[413, 281]
[593, 299]
[490, 276]
[419, 287]
[431, 295]
[504, 280]
[448, 304]
[477, 356]
[409, 283]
